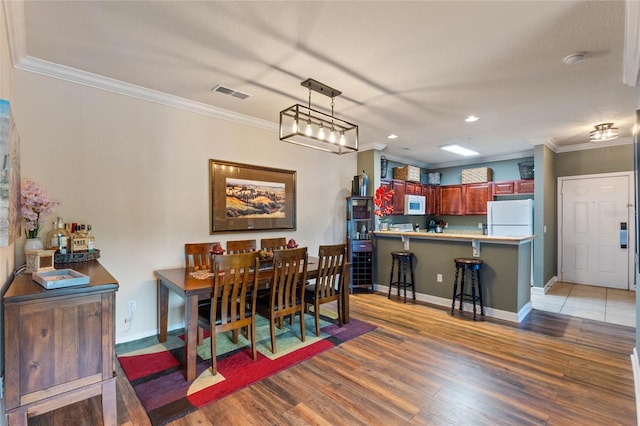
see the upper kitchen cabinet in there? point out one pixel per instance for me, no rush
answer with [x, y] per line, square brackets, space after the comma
[430, 193]
[398, 187]
[476, 196]
[451, 200]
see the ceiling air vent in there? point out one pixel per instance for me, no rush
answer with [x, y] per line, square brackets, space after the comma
[230, 92]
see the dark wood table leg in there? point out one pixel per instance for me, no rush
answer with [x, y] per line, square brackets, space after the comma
[345, 297]
[191, 336]
[163, 311]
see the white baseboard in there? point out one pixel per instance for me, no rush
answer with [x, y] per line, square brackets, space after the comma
[550, 283]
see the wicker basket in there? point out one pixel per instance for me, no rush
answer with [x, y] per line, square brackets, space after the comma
[526, 169]
[481, 174]
[407, 173]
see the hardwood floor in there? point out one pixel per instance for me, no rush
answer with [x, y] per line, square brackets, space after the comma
[423, 367]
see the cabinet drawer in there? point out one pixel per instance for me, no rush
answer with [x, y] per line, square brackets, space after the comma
[360, 246]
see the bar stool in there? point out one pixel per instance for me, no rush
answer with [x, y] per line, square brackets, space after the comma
[472, 265]
[404, 259]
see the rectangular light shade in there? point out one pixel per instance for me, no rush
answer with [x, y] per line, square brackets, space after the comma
[457, 149]
[314, 129]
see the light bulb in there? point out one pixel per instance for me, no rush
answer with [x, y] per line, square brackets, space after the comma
[294, 128]
[332, 136]
[308, 131]
[343, 140]
[321, 132]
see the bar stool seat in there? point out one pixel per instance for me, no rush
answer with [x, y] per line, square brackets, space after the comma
[404, 261]
[473, 266]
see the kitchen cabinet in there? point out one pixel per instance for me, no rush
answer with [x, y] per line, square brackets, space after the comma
[430, 194]
[59, 344]
[398, 187]
[513, 187]
[451, 200]
[412, 188]
[504, 188]
[524, 186]
[476, 196]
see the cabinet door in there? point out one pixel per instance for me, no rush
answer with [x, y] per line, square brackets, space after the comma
[524, 187]
[430, 195]
[476, 196]
[413, 188]
[398, 196]
[451, 201]
[503, 188]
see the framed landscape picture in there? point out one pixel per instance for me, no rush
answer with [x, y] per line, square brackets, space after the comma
[244, 197]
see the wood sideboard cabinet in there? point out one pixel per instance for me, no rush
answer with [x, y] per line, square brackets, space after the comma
[59, 344]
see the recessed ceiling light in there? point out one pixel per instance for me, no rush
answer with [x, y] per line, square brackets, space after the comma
[392, 136]
[472, 118]
[457, 149]
[574, 58]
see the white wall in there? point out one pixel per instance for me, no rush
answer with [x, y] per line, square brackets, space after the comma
[138, 172]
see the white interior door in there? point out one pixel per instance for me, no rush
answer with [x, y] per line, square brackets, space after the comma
[593, 210]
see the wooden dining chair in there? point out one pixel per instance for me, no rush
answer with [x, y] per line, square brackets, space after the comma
[285, 297]
[232, 305]
[329, 285]
[273, 244]
[197, 256]
[241, 246]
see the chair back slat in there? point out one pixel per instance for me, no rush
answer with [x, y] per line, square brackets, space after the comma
[197, 256]
[241, 246]
[273, 244]
[331, 271]
[289, 277]
[234, 277]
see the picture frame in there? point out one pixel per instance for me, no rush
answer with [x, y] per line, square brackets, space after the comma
[244, 197]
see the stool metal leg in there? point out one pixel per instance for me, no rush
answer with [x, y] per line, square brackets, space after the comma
[455, 290]
[403, 262]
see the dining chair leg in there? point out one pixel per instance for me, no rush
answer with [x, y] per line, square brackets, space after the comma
[200, 336]
[234, 337]
[302, 332]
[340, 319]
[214, 370]
[316, 313]
[253, 339]
[272, 329]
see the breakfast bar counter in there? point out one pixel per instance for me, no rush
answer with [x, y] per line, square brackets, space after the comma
[505, 273]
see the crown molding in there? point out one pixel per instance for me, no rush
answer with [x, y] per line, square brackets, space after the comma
[626, 140]
[631, 51]
[16, 29]
[74, 75]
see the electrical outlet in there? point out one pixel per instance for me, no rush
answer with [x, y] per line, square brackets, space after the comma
[439, 278]
[132, 305]
[479, 225]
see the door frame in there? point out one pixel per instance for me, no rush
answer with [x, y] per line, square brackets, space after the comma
[631, 226]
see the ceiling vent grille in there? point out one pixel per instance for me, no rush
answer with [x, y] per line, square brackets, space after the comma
[230, 92]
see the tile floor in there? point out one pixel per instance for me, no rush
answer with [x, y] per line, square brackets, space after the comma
[598, 303]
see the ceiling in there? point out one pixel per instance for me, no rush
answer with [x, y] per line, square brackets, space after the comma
[415, 69]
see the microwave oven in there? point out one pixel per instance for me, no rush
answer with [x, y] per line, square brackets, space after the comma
[414, 204]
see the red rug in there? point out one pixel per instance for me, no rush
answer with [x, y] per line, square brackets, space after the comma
[156, 373]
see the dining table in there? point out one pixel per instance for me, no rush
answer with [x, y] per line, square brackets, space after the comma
[192, 289]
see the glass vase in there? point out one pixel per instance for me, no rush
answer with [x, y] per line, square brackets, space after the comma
[33, 244]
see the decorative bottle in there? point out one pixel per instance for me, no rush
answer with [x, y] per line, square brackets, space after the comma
[91, 243]
[59, 238]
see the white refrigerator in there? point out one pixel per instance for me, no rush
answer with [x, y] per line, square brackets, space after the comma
[510, 218]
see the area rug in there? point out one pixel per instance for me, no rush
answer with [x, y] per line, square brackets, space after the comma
[155, 370]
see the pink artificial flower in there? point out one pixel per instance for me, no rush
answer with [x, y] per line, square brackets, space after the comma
[34, 204]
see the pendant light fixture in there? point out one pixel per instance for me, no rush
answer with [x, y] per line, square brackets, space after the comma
[603, 132]
[305, 126]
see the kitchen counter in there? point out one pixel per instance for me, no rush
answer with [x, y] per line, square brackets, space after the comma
[505, 273]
